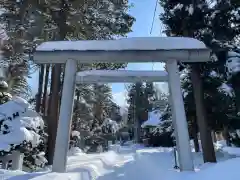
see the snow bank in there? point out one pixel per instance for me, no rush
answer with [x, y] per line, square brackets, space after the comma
[232, 150]
[82, 175]
[75, 151]
[221, 171]
[5, 174]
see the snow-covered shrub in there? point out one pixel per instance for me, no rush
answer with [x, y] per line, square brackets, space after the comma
[110, 126]
[95, 143]
[235, 138]
[4, 97]
[22, 129]
[161, 139]
[161, 135]
[232, 64]
[74, 139]
[75, 151]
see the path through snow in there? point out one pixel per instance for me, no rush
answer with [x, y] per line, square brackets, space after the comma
[123, 163]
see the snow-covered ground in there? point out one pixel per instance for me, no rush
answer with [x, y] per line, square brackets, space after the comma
[135, 162]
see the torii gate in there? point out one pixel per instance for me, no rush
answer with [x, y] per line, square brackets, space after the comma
[146, 49]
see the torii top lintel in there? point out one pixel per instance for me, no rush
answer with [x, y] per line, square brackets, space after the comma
[142, 49]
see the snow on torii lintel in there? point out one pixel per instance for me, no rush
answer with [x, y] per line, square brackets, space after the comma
[136, 49]
[111, 76]
[135, 43]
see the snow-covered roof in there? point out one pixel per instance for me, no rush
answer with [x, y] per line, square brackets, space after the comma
[136, 49]
[113, 76]
[154, 119]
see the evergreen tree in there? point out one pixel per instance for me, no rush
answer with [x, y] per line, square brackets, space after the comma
[136, 105]
[32, 22]
[95, 114]
[101, 104]
[141, 98]
[149, 92]
[213, 25]
[114, 112]
[217, 102]
[160, 99]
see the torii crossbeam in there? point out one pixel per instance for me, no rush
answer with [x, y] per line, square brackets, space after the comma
[154, 49]
[124, 76]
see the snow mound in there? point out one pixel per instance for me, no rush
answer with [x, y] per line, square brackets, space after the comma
[20, 100]
[19, 124]
[75, 151]
[232, 150]
[81, 175]
[110, 157]
[6, 174]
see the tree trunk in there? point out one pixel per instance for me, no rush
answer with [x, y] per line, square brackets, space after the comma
[61, 84]
[214, 136]
[196, 144]
[226, 135]
[136, 131]
[50, 93]
[46, 78]
[205, 132]
[75, 123]
[60, 18]
[40, 88]
[49, 152]
[53, 113]
[195, 136]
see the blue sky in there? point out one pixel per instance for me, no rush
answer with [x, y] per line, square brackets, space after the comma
[143, 11]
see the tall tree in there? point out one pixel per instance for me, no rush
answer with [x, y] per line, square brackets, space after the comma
[45, 90]
[61, 20]
[102, 99]
[186, 18]
[135, 100]
[16, 69]
[141, 99]
[149, 93]
[40, 88]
